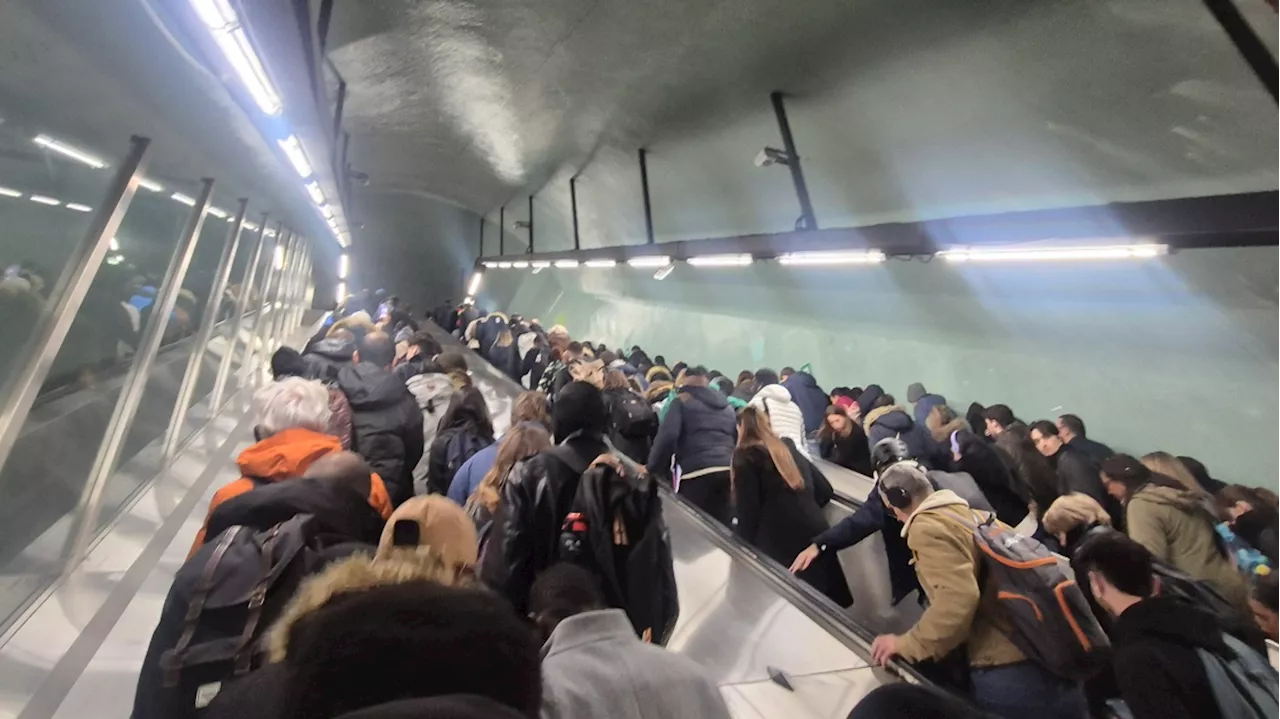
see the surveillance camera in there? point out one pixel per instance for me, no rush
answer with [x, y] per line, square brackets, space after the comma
[769, 156]
[764, 159]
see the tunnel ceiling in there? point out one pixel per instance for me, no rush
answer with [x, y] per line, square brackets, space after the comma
[900, 109]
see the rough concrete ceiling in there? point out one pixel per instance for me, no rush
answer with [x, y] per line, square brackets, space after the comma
[901, 109]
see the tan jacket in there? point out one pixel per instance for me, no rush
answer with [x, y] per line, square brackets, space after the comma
[947, 564]
[1176, 526]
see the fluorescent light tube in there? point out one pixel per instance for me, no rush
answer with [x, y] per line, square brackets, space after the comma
[720, 260]
[504, 265]
[218, 212]
[341, 293]
[278, 258]
[238, 51]
[114, 244]
[313, 189]
[44, 200]
[662, 273]
[78, 207]
[540, 264]
[68, 151]
[490, 265]
[343, 266]
[832, 258]
[251, 226]
[328, 213]
[293, 150]
[150, 185]
[566, 264]
[601, 263]
[474, 286]
[520, 265]
[7, 192]
[184, 199]
[1112, 252]
[650, 261]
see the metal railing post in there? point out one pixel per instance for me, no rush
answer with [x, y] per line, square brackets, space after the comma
[279, 326]
[32, 365]
[249, 373]
[135, 381]
[196, 361]
[237, 320]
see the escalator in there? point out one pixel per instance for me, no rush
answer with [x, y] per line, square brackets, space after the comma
[774, 645]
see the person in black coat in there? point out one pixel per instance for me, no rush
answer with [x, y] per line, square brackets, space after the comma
[841, 441]
[775, 505]
[699, 431]
[539, 493]
[1004, 492]
[465, 424]
[809, 397]
[386, 423]
[325, 358]
[1077, 471]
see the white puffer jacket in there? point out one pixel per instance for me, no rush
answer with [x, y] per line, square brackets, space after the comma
[784, 416]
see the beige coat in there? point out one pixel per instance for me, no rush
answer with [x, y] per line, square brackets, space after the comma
[1178, 528]
[947, 564]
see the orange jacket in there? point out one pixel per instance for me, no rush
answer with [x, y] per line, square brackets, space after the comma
[281, 456]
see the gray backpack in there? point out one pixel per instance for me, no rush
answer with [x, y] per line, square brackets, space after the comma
[1244, 685]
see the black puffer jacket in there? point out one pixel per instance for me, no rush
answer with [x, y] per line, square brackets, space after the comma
[700, 430]
[537, 496]
[386, 425]
[1078, 472]
[327, 357]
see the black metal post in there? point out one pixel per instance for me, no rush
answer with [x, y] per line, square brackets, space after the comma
[502, 230]
[573, 204]
[793, 162]
[481, 254]
[530, 224]
[322, 24]
[1247, 42]
[644, 183]
[337, 124]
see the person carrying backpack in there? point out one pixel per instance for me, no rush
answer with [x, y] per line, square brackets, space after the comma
[632, 422]
[964, 612]
[1172, 659]
[615, 530]
[464, 430]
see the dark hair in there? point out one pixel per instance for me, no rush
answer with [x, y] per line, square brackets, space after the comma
[696, 371]
[425, 343]
[885, 400]
[765, 377]
[715, 374]
[1266, 587]
[1045, 427]
[378, 348]
[745, 376]
[1073, 423]
[1000, 414]
[452, 361]
[574, 347]
[286, 362]
[787, 371]
[418, 639]
[562, 591]
[725, 385]
[1123, 562]
[825, 431]
[1134, 475]
[1201, 475]
[659, 359]
[467, 408]
[844, 392]
[975, 415]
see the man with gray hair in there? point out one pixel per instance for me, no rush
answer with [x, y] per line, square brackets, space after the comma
[962, 612]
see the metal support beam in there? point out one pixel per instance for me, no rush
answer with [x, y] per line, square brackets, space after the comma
[1247, 42]
[573, 205]
[481, 253]
[195, 362]
[339, 104]
[502, 230]
[644, 185]
[237, 320]
[793, 163]
[249, 376]
[31, 366]
[135, 381]
[530, 250]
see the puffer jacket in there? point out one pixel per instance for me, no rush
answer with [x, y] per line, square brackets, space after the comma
[809, 398]
[885, 422]
[432, 392]
[536, 497]
[960, 611]
[1178, 528]
[785, 416]
[700, 431]
[386, 425]
[327, 357]
[925, 405]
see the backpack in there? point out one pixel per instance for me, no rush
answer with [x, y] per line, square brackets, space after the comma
[462, 445]
[632, 416]
[1052, 622]
[615, 530]
[220, 604]
[1244, 684]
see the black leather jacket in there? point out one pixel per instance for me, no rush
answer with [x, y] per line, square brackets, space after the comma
[524, 539]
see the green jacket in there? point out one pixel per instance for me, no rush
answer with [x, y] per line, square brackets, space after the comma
[1178, 528]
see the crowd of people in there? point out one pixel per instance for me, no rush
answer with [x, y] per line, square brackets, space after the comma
[389, 552]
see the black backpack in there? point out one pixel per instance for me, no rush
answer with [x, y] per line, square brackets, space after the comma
[220, 604]
[633, 417]
[615, 529]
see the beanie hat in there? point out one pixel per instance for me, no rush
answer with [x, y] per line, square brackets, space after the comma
[579, 407]
[915, 391]
[766, 377]
[440, 524]
[286, 362]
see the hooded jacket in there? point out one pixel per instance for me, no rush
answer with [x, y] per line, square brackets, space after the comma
[341, 513]
[283, 455]
[432, 392]
[386, 425]
[868, 519]
[1177, 527]
[327, 357]
[594, 666]
[810, 398]
[700, 431]
[1157, 668]
[785, 416]
[849, 451]
[960, 611]
[885, 422]
[925, 405]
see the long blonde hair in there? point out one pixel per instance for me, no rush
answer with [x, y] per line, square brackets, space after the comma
[1170, 466]
[1071, 511]
[754, 430]
[521, 442]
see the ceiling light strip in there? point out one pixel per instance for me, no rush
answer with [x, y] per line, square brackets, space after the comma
[1112, 252]
[66, 150]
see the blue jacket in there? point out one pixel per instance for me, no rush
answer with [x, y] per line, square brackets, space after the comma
[925, 405]
[810, 398]
[895, 422]
[700, 430]
[870, 518]
[471, 473]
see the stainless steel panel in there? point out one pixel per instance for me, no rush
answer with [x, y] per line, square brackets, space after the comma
[830, 695]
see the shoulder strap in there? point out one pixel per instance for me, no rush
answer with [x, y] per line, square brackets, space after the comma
[172, 662]
[244, 657]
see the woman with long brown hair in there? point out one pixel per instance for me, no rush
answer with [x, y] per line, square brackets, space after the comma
[520, 443]
[775, 505]
[842, 441]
